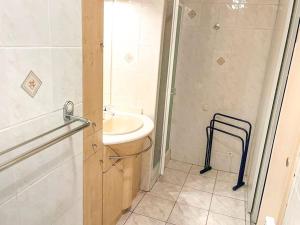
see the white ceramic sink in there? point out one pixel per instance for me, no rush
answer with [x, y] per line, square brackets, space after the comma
[122, 127]
[121, 124]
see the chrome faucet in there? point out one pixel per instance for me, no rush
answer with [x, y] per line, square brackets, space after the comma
[107, 109]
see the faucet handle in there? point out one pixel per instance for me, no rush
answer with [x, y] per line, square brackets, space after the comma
[108, 107]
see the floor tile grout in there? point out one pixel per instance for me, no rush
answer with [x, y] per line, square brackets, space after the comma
[127, 217]
[187, 173]
[211, 198]
[229, 197]
[139, 202]
[179, 195]
[149, 217]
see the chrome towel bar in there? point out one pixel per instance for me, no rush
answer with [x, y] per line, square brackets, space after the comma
[35, 150]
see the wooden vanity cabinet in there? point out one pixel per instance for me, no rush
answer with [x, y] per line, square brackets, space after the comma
[93, 180]
[112, 194]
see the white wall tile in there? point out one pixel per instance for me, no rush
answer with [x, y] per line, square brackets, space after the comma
[24, 23]
[45, 200]
[17, 105]
[192, 13]
[209, 15]
[67, 75]
[44, 187]
[9, 212]
[8, 188]
[65, 22]
[266, 16]
[134, 65]
[247, 14]
[73, 216]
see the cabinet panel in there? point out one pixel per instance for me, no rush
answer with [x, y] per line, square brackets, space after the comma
[93, 190]
[96, 120]
[112, 194]
[92, 145]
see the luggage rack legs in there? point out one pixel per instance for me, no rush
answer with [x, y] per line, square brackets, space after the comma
[244, 140]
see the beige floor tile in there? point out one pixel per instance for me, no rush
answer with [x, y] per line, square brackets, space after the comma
[200, 183]
[228, 206]
[155, 207]
[217, 219]
[137, 200]
[188, 215]
[173, 177]
[195, 170]
[227, 177]
[225, 189]
[136, 219]
[176, 165]
[124, 218]
[195, 198]
[166, 190]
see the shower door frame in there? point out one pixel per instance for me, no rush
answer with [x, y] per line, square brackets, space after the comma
[255, 205]
[170, 78]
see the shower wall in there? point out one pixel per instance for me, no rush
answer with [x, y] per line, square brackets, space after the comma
[222, 59]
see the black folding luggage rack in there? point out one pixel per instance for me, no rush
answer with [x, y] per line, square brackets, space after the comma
[244, 140]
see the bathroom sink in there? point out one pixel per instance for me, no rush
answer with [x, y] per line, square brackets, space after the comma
[121, 124]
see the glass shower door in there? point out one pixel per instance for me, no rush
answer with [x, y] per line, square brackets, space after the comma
[165, 59]
[173, 89]
[167, 83]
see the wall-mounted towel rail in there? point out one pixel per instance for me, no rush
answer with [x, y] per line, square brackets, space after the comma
[35, 150]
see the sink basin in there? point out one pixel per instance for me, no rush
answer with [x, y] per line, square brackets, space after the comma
[121, 124]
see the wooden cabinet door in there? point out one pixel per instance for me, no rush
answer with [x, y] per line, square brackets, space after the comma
[112, 194]
[93, 190]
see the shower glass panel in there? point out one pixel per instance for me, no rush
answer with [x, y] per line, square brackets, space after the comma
[163, 81]
[173, 92]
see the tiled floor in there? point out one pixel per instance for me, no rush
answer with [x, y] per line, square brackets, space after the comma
[184, 197]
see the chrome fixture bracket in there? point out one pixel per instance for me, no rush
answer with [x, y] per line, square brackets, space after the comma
[68, 110]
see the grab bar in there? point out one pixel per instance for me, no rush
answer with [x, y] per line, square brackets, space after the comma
[49, 143]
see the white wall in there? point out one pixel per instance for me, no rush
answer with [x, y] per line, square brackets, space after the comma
[45, 37]
[204, 87]
[132, 52]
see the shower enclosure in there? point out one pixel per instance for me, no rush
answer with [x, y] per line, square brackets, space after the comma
[224, 57]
